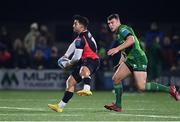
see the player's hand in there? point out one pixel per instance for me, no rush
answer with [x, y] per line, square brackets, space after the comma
[113, 51]
[68, 65]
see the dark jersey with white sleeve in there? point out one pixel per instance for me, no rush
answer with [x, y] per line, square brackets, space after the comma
[84, 46]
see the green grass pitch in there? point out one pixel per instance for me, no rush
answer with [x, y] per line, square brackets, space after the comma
[32, 106]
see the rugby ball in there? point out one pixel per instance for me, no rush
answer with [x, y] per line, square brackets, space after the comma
[62, 62]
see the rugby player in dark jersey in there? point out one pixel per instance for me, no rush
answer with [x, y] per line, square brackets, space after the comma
[84, 62]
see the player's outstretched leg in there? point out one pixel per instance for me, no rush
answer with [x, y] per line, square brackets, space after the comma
[158, 87]
[173, 92]
[84, 93]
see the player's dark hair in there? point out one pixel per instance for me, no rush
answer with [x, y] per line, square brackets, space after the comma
[83, 20]
[113, 16]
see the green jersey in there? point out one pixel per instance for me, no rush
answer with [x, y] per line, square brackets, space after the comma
[136, 57]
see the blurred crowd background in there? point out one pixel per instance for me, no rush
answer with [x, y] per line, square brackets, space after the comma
[33, 35]
[38, 46]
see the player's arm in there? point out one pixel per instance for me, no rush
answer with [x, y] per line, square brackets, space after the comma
[64, 61]
[127, 43]
[68, 63]
[79, 46]
[70, 50]
[129, 40]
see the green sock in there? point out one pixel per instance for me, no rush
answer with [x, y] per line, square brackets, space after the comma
[152, 86]
[118, 91]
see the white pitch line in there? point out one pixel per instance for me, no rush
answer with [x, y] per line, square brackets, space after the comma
[27, 100]
[105, 109]
[18, 108]
[149, 116]
[40, 100]
[41, 109]
[119, 114]
[41, 114]
[139, 109]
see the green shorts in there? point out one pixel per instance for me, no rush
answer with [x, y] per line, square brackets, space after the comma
[138, 63]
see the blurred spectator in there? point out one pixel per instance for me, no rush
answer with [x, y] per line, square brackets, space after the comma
[153, 33]
[104, 40]
[168, 56]
[5, 49]
[52, 64]
[176, 69]
[21, 57]
[41, 43]
[41, 53]
[155, 59]
[38, 60]
[31, 37]
[44, 41]
[45, 33]
[176, 46]
[105, 62]
[102, 52]
[105, 37]
[176, 51]
[5, 58]
[5, 39]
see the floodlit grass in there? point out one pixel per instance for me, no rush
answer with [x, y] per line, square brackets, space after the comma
[32, 106]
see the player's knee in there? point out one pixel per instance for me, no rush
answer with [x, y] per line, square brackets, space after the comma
[70, 88]
[115, 79]
[141, 87]
[84, 73]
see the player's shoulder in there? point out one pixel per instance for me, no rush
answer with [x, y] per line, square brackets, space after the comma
[124, 27]
[86, 34]
[79, 42]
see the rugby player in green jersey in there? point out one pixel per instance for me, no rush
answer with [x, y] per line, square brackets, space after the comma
[133, 61]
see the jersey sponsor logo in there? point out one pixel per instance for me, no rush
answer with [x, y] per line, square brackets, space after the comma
[124, 31]
[78, 43]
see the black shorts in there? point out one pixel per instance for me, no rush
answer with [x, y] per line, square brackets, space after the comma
[92, 64]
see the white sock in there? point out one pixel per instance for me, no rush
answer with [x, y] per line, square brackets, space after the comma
[62, 104]
[87, 87]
